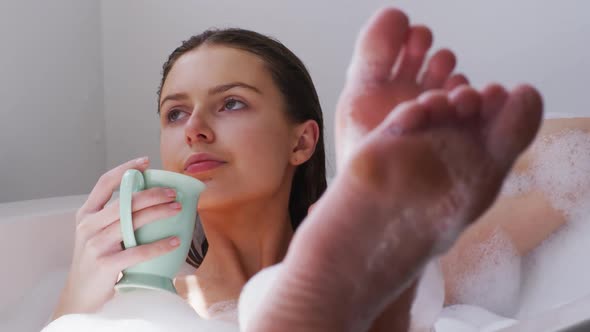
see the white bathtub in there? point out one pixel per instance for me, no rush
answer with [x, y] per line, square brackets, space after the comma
[36, 241]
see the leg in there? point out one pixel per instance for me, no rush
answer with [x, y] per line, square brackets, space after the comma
[384, 72]
[417, 180]
[405, 192]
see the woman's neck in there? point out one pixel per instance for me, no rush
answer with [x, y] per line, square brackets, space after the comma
[244, 241]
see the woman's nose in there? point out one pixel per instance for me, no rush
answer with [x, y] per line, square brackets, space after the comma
[198, 129]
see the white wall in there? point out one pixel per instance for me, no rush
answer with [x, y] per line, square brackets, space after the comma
[54, 139]
[542, 42]
[512, 41]
[52, 119]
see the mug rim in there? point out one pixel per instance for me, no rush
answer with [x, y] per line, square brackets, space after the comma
[174, 174]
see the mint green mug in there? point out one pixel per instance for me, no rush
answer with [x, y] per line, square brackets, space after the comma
[159, 272]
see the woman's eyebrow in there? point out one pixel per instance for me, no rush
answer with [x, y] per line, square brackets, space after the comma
[174, 96]
[225, 87]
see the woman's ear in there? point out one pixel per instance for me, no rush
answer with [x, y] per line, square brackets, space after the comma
[306, 138]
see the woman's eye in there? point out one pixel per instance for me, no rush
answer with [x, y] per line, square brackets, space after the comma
[174, 115]
[233, 105]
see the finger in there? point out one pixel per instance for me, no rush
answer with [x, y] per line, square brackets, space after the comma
[109, 238]
[140, 200]
[109, 182]
[129, 257]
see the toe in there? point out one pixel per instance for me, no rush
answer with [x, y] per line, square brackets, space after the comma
[455, 81]
[407, 116]
[437, 104]
[466, 101]
[439, 68]
[494, 98]
[378, 46]
[515, 124]
[419, 41]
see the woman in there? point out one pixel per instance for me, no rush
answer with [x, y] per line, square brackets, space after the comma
[246, 107]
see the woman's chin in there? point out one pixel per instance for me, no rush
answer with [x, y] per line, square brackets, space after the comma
[210, 201]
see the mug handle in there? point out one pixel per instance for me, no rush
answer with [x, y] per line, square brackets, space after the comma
[131, 182]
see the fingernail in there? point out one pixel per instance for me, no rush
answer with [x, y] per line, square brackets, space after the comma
[170, 192]
[141, 161]
[174, 241]
[175, 205]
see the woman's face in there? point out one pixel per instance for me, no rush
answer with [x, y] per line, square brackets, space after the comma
[223, 121]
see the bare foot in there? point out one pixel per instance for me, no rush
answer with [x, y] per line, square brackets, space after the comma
[412, 180]
[385, 71]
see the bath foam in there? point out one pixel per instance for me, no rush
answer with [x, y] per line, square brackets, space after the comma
[561, 169]
[254, 293]
[557, 271]
[141, 311]
[517, 184]
[224, 310]
[495, 282]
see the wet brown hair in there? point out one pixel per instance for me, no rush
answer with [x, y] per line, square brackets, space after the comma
[302, 104]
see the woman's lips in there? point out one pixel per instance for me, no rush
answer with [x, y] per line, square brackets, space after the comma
[202, 166]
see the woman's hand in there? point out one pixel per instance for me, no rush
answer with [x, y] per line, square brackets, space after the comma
[98, 257]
